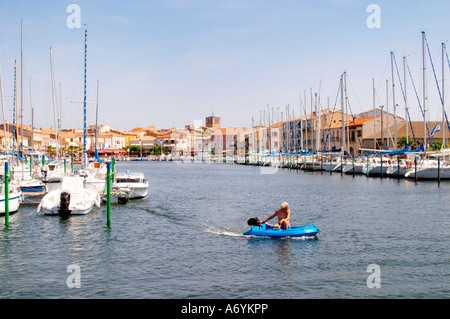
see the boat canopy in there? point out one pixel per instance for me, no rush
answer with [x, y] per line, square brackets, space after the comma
[395, 153]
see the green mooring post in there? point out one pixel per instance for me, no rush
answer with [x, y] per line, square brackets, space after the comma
[6, 194]
[108, 194]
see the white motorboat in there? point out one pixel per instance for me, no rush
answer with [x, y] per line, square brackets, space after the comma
[14, 198]
[134, 183]
[72, 198]
[54, 171]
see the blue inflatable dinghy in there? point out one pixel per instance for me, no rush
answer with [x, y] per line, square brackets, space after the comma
[293, 231]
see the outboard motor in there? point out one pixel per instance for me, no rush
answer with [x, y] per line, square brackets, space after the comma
[44, 173]
[64, 202]
[254, 222]
[123, 198]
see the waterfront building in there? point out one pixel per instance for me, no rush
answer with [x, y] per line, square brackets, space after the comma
[49, 139]
[29, 136]
[106, 140]
[129, 136]
[309, 131]
[222, 141]
[73, 137]
[5, 140]
[416, 135]
[145, 142]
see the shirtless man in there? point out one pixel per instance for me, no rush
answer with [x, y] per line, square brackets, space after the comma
[283, 214]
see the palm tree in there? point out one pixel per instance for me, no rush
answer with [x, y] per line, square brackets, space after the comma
[51, 150]
[401, 142]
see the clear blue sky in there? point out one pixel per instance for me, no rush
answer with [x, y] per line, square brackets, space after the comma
[171, 62]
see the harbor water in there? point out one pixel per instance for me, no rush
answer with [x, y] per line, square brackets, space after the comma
[379, 238]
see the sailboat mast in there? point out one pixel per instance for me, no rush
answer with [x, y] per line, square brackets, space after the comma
[60, 119]
[313, 127]
[444, 127]
[301, 123]
[306, 120]
[424, 95]
[14, 107]
[406, 100]
[53, 101]
[21, 95]
[343, 115]
[271, 134]
[96, 120]
[294, 128]
[347, 128]
[269, 131]
[393, 101]
[3, 113]
[282, 135]
[288, 130]
[32, 123]
[387, 114]
[374, 114]
[21, 90]
[317, 126]
[84, 103]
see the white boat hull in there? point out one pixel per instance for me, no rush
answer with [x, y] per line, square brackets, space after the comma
[14, 203]
[357, 168]
[134, 184]
[429, 173]
[134, 191]
[327, 167]
[78, 211]
[395, 170]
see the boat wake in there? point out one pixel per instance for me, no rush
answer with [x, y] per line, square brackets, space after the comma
[164, 214]
[223, 232]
